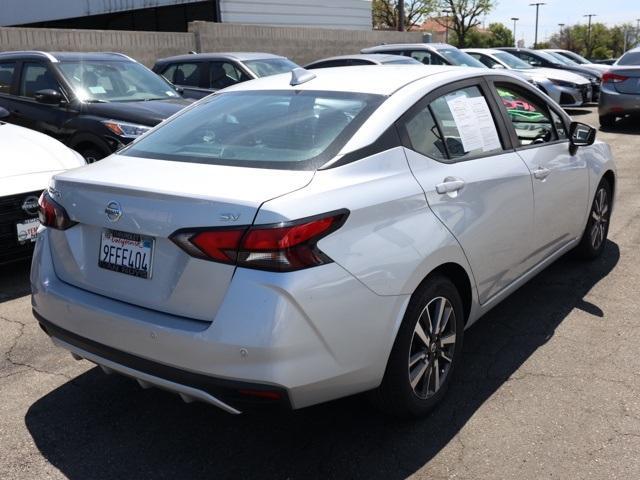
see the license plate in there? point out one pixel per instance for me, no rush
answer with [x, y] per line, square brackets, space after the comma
[127, 253]
[27, 231]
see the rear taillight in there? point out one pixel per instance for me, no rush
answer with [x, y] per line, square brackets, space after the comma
[610, 77]
[52, 214]
[282, 247]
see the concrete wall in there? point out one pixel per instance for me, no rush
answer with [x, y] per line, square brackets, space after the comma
[300, 44]
[145, 47]
[349, 14]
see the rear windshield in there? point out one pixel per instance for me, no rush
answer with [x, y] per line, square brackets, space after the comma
[299, 130]
[629, 58]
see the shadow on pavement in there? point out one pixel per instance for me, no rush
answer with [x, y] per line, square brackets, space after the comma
[577, 112]
[14, 280]
[629, 125]
[103, 427]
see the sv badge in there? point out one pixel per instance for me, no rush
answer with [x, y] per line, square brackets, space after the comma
[229, 217]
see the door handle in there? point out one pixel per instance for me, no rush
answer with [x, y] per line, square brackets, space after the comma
[541, 173]
[449, 185]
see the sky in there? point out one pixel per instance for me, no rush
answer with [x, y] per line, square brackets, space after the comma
[554, 12]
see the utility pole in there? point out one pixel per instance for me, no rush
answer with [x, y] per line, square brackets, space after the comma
[446, 25]
[401, 15]
[515, 39]
[589, 33]
[561, 25]
[537, 5]
[637, 32]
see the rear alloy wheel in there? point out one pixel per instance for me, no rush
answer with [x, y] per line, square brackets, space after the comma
[432, 348]
[425, 352]
[595, 234]
[607, 121]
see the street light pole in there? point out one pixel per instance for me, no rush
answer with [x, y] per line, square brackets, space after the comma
[537, 5]
[561, 25]
[589, 33]
[515, 40]
[637, 32]
[446, 25]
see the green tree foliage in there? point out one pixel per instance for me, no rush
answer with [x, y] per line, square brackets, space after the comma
[386, 14]
[606, 42]
[464, 16]
[497, 35]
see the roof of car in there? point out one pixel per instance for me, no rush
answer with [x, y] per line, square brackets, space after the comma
[238, 56]
[373, 57]
[67, 56]
[396, 46]
[491, 51]
[371, 79]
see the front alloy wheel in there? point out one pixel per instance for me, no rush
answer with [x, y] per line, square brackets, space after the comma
[595, 233]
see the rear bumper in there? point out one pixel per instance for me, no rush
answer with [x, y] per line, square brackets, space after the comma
[615, 103]
[314, 335]
[190, 386]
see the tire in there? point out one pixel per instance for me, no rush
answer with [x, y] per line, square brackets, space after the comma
[91, 154]
[410, 355]
[595, 233]
[607, 121]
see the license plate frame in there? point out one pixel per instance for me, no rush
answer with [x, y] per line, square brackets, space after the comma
[139, 265]
[27, 230]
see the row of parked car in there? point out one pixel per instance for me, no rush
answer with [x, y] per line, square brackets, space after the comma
[96, 103]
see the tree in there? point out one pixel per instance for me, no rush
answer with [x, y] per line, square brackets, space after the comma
[501, 35]
[606, 42]
[465, 16]
[386, 14]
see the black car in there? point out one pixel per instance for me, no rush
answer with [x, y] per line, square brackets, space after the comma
[200, 74]
[539, 58]
[92, 102]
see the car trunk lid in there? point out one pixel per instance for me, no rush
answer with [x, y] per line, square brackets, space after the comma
[156, 198]
[632, 83]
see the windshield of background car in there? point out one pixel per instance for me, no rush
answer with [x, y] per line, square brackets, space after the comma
[115, 81]
[512, 61]
[270, 66]
[576, 57]
[548, 57]
[462, 59]
[629, 58]
[562, 59]
[289, 130]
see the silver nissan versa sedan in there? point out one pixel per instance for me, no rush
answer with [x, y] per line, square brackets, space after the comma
[308, 236]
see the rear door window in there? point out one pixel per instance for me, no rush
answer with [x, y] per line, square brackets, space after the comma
[225, 74]
[466, 124]
[184, 74]
[425, 57]
[36, 77]
[7, 72]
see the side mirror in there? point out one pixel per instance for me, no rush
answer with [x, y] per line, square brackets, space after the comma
[581, 134]
[497, 66]
[48, 96]
[4, 113]
[534, 63]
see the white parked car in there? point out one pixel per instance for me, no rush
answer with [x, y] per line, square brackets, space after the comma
[304, 237]
[28, 160]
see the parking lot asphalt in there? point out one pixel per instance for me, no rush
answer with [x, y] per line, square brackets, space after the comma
[549, 388]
